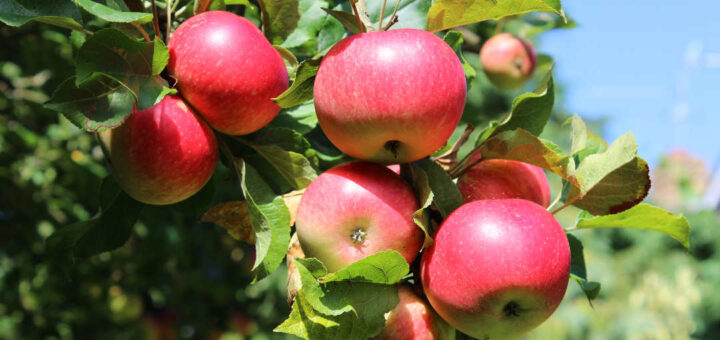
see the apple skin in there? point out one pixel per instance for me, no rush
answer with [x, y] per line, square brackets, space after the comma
[508, 61]
[390, 97]
[351, 197]
[414, 319]
[497, 268]
[228, 71]
[162, 155]
[502, 178]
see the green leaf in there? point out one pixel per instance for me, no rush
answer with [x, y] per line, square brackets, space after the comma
[108, 230]
[270, 219]
[97, 104]
[593, 144]
[388, 267]
[455, 40]
[133, 63]
[311, 22]
[612, 181]
[521, 145]
[301, 89]
[280, 18]
[348, 20]
[578, 272]
[348, 304]
[294, 167]
[286, 55]
[531, 111]
[425, 196]
[446, 195]
[578, 136]
[307, 323]
[112, 15]
[642, 216]
[301, 118]
[446, 14]
[411, 13]
[61, 13]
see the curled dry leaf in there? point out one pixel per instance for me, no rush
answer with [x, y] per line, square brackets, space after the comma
[293, 281]
[234, 217]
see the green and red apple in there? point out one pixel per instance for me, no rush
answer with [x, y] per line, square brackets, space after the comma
[227, 70]
[497, 268]
[162, 155]
[507, 60]
[355, 210]
[390, 97]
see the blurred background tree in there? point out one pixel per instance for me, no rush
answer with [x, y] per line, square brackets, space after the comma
[178, 278]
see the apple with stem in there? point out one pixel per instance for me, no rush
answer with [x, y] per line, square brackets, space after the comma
[507, 60]
[355, 210]
[414, 319]
[390, 97]
[227, 70]
[503, 178]
[162, 155]
[497, 268]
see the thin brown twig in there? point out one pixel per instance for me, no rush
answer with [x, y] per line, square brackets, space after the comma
[141, 30]
[361, 27]
[393, 17]
[156, 20]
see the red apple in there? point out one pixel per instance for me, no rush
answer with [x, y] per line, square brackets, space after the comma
[501, 178]
[508, 61]
[355, 210]
[390, 97]
[163, 154]
[497, 268]
[413, 319]
[227, 70]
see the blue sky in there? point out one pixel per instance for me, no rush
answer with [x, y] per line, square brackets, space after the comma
[652, 67]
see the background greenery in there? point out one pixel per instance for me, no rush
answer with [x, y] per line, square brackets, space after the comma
[177, 278]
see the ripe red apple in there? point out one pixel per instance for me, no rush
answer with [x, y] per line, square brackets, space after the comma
[227, 70]
[508, 61]
[497, 268]
[355, 210]
[163, 154]
[502, 178]
[413, 319]
[390, 97]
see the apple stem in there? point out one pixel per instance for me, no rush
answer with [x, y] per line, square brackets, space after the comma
[382, 15]
[449, 158]
[393, 17]
[500, 25]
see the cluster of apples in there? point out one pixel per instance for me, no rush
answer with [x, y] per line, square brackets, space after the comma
[226, 73]
[499, 264]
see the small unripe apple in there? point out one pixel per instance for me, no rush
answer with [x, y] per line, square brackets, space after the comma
[497, 268]
[162, 155]
[502, 178]
[508, 61]
[227, 70]
[414, 319]
[355, 210]
[390, 97]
